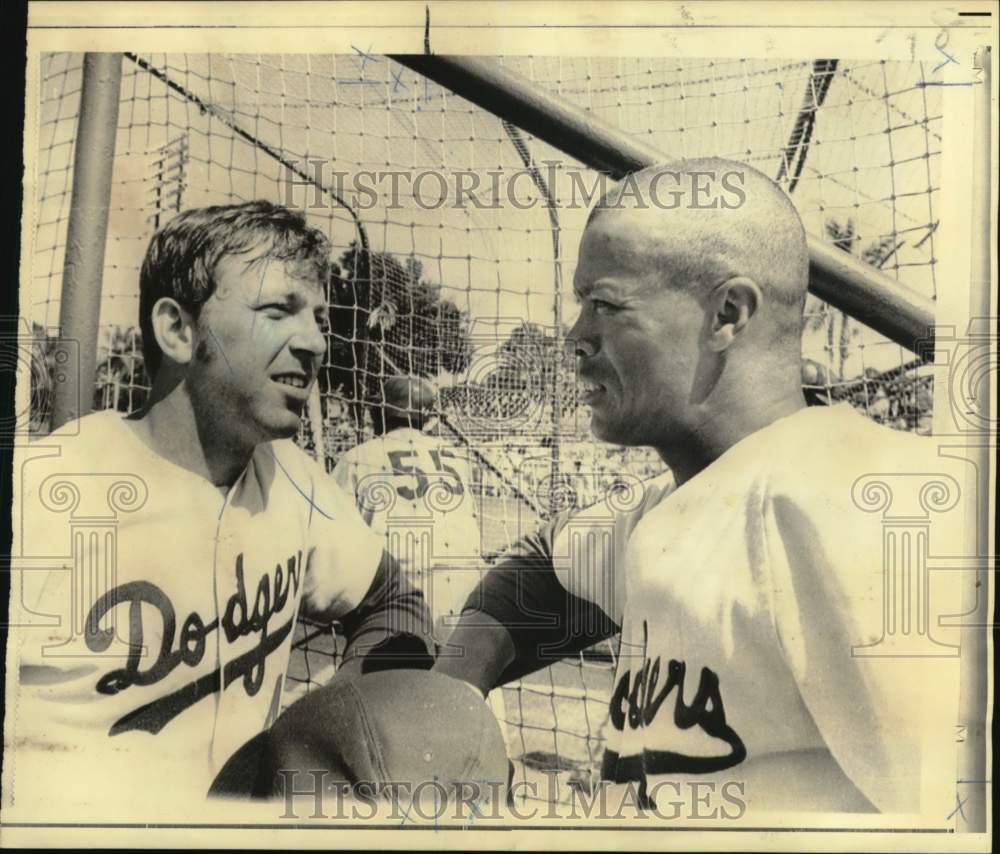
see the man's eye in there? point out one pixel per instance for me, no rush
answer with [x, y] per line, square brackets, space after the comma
[274, 310]
[603, 307]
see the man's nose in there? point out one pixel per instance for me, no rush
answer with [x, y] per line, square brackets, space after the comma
[580, 340]
[309, 337]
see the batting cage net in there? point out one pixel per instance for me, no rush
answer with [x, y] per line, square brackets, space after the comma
[455, 237]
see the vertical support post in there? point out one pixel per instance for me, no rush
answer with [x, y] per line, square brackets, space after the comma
[972, 769]
[87, 231]
[555, 503]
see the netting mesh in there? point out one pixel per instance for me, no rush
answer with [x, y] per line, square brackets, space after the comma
[474, 294]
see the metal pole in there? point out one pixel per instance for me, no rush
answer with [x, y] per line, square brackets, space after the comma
[972, 788]
[878, 301]
[86, 233]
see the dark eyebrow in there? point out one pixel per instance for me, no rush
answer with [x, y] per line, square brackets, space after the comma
[607, 289]
[290, 299]
[265, 300]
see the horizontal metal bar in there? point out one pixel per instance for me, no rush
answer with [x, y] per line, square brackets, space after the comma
[526, 104]
[890, 308]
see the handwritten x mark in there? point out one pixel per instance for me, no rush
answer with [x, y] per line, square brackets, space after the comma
[396, 82]
[959, 802]
[364, 57]
[948, 59]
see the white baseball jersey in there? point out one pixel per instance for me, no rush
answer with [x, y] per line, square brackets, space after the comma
[156, 624]
[779, 625]
[414, 490]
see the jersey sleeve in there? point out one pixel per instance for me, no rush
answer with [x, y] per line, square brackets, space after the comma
[351, 579]
[344, 552]
[882, 692]
[562, 589]
[525, 594]
[391, 627]
[345, 474]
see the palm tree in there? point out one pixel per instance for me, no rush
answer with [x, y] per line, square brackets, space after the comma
[121, 383]
[839, 325]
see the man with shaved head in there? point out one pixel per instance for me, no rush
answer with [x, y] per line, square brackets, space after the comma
[755, 659]
[678, 287]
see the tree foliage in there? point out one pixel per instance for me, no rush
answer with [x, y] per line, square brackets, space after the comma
[530, 368]
[387, 318]
[535, 360]
[841, 329]
[121, 382]
[901, 397]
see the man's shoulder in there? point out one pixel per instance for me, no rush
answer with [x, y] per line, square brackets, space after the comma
[374, 453]
[852, 468]
[92, 427]
[92, 467]
[624, 504]
[292, 458]
[655, 489]
[308, 477]
[369, 454]
[409, 436]
[93, 442]
[840, 442]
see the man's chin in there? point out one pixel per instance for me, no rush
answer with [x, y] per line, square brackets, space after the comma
[284, 426]
[601, 429]
[613, 432]
[287, 431]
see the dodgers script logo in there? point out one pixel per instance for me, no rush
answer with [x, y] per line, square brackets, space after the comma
[636, 703]
[237, 621]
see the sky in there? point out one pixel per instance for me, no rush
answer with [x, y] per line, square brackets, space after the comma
[873, 158]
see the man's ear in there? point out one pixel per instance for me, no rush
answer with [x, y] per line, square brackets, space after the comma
[732, 305]
[173, 327]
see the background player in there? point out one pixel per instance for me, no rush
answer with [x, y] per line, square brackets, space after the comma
[751, 599]
[415, 490]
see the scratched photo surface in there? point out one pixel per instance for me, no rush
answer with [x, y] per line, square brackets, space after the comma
[324, 363]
